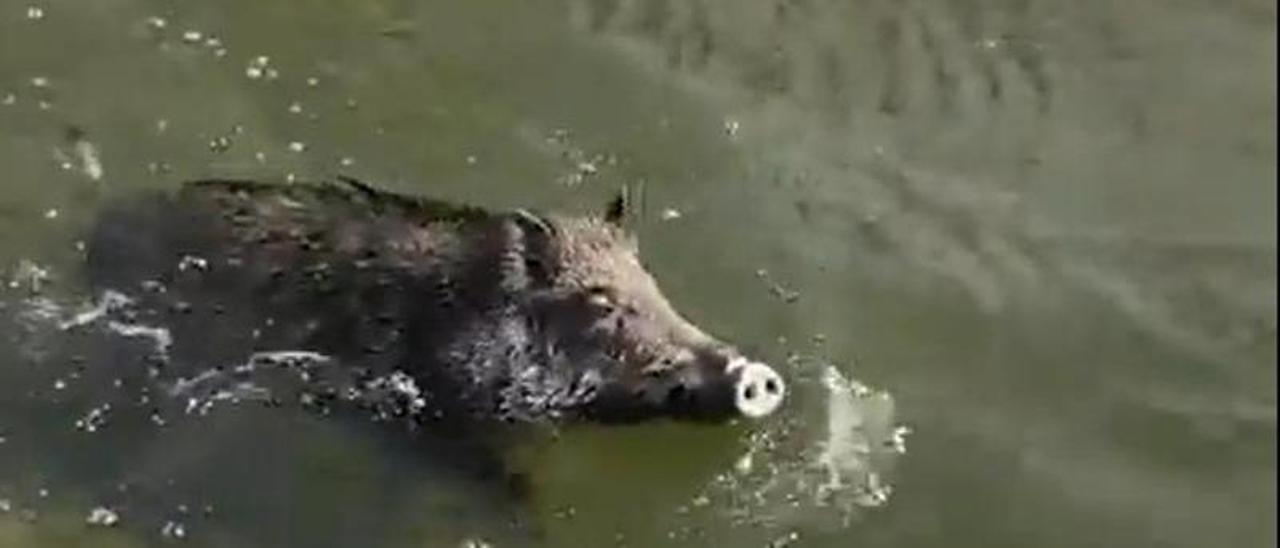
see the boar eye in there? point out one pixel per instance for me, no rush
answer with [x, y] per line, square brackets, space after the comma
[600, 297]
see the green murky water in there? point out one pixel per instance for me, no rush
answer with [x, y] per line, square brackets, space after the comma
[1046, 228]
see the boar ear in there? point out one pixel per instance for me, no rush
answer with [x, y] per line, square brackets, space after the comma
[615, 212]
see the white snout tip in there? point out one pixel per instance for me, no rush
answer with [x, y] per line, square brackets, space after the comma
[758, 390]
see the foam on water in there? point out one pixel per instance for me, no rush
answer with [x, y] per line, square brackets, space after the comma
[826, 458]
[110, 300]
[820, 467]
[314, 380]
[40, 310]
[256, 379]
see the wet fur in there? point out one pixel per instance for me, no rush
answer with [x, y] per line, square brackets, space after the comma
[487, 310]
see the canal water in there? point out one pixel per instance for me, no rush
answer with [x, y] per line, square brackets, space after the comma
[1017, 259]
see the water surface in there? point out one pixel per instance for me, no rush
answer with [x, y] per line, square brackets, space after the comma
[1047, 229]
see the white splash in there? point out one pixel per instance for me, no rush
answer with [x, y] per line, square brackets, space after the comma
[857, 422]
[102, 517]
[83, 157]
[309, 378]
[240, 392]
[40, 310]
[108, 302]
[820, 463]
[173, 530]
[94, 420]
[243, 382]
[160, 338]
[30, 274]
[90, 160]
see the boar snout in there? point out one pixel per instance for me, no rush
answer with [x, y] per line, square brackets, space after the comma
[757, 389]
[722, 384]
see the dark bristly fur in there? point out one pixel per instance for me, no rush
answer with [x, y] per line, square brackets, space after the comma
[505, 315]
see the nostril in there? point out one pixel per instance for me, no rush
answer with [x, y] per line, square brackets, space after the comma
[750, 392]
[771, 386]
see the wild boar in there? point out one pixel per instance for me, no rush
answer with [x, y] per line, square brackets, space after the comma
[508, 315]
